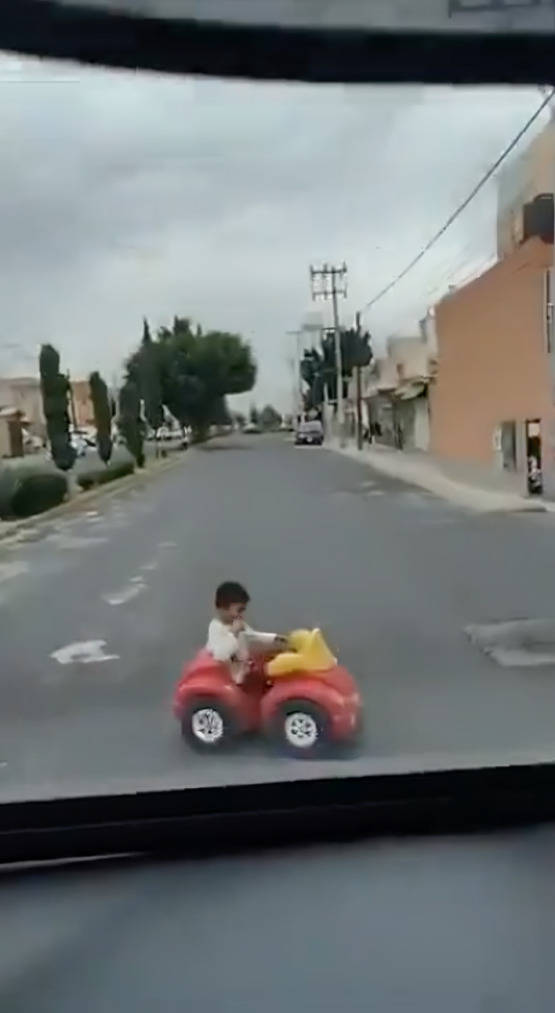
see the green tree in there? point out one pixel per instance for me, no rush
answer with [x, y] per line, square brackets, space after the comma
[270, 418]
[150, 381]
[318, 366]
[239, 419]
[220, 414]
[130, 421]
[55, 401]
[254, 416]
[102, 410]
[197, 371]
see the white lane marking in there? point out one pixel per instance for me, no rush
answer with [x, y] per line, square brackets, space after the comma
[137, 580]
[125, 594]
[85, 652]
[8, 571]
[148, 567]
[92, 513]
[167, 545]
[375, 492]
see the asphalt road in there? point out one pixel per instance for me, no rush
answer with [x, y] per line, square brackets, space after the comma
[392, 575]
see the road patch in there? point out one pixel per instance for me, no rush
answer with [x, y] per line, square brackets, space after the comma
[518, 643]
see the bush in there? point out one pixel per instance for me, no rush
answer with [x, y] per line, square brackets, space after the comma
[99, 476]
[25, 491]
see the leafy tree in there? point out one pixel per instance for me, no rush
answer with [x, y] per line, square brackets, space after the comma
[197, 371]
[270, 418]
[356, 350]
[150, 381]
[254, 416]
[102, 410]
[239, 419]
[55, 400]
[130, 421]
[318, 366]
[220, 414]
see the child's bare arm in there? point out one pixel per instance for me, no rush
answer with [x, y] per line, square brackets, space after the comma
[265, 639]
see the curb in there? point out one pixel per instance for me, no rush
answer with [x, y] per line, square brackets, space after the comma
[456, 493]
[84, 499]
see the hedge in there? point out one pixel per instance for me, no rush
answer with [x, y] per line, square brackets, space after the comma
[99, 476]
[25, 491]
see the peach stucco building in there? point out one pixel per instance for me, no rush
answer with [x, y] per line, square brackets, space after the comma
[495, 364]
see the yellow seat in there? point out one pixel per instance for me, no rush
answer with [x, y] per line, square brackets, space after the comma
[310, 654]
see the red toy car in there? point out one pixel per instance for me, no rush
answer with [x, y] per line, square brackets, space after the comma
[301, 699]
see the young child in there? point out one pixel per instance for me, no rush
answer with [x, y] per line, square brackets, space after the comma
[229, 635]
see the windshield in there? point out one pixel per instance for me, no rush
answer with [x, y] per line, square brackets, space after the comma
[193, 271]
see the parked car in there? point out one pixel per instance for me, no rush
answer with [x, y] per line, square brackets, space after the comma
[309, 434]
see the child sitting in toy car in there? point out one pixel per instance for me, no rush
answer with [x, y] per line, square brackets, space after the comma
[230, 638]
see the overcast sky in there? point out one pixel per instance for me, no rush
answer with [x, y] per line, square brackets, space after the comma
[123, 195]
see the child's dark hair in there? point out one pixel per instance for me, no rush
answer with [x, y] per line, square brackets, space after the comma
[231, 593]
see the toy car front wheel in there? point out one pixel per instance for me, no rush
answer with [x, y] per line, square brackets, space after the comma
[301, 729]
[207, 726]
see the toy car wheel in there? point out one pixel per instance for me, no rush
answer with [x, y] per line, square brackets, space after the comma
[301, 729]
[207, 726]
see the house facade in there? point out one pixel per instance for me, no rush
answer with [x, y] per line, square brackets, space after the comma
[493, 398]
[396, 393]
[525, 194]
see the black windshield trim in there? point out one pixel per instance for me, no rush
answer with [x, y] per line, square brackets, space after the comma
[47, 29]
[224, 819]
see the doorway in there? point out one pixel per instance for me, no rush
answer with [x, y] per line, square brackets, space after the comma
[534, 469]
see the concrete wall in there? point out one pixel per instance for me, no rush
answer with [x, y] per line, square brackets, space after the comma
[493, 362]
[421, 424]
[23, 394]
[520, 180]
[82, 402]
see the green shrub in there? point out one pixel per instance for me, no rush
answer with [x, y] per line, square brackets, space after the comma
[99, 476]
[24, 492]
[8, 482]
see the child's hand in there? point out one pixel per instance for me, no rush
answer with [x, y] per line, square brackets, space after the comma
[238, 625]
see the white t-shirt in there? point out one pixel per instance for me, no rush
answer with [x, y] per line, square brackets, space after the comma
[223, 642]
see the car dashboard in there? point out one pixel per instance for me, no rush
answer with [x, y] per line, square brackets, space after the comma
[449, 924]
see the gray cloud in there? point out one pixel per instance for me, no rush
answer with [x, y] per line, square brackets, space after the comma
[123, 195]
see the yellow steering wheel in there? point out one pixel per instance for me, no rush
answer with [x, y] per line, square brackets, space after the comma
[309, 653]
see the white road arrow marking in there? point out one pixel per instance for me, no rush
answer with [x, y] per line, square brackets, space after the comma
[84, 652]
[126, 593]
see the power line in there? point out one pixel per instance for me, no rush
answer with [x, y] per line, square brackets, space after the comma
[462, 207]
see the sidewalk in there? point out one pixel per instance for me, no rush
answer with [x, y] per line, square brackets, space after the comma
[476, 491]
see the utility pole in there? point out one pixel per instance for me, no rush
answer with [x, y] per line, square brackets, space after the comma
[358, 382]
[329, 282]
